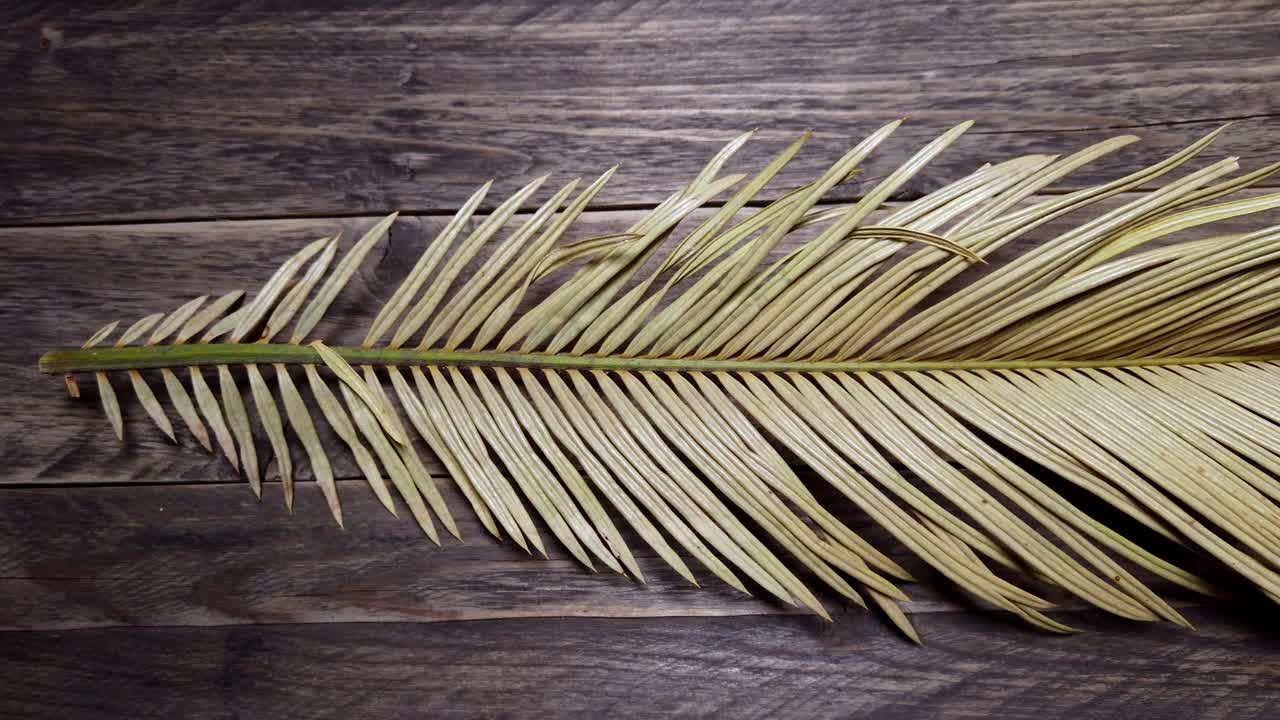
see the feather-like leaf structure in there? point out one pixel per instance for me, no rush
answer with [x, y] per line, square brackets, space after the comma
[985, 400]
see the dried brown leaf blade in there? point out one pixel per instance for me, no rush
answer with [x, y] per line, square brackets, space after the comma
[1020, 417]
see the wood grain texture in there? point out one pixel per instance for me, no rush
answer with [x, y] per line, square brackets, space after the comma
[214, 555]
[744, 668]
[143, 580]
[164, 110]
[81, 557]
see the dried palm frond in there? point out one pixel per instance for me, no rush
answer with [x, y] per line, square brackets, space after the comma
[665, 370]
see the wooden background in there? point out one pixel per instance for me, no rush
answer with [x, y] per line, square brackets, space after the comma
[153, 151]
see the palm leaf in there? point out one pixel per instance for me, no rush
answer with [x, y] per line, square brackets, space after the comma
[1113, 371]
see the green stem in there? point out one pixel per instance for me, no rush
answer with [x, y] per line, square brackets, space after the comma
[158, 356]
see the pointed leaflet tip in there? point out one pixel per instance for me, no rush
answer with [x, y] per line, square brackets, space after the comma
[212, 412]
[269, 416]
[403, 297]
[238, 420]
[138, 329]
[300, 419]
[176, 319]
[256, 311]
[443, 281]
[101, 335]
[341, 423]
[348, 375]
[224, 326]
[286, 308]
[150, 404]
[110, 404]
[338, 279]
[211, 312]
[181, 400]
[394, 458]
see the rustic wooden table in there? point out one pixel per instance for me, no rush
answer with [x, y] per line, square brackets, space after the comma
[152, 150]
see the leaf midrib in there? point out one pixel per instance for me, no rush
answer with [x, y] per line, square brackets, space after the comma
[172, 356]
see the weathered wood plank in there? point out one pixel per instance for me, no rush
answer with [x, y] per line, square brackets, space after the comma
[745, 668]
[213, 555]
[242, 109]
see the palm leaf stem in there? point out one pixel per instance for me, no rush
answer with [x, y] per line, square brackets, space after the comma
[172, 356]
